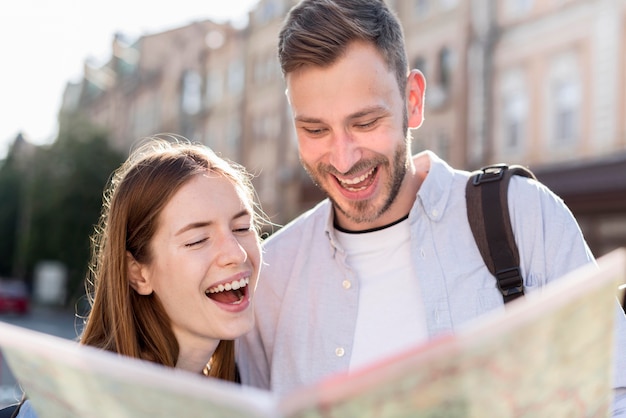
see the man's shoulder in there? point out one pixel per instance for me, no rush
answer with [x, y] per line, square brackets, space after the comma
[305, 225]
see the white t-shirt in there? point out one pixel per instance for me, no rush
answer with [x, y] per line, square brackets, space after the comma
[391, 313]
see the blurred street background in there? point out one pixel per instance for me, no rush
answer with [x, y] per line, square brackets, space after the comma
[536, 83]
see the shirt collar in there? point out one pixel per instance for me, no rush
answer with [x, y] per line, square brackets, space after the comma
[329, 228]
[434, 193]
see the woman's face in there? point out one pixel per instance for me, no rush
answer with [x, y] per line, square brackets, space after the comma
[205, 262]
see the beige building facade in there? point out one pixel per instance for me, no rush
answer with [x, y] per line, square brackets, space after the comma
[269, 147]
[534, 82]
[222, 98]
[559, 68]
[152, 85]
[558, 98]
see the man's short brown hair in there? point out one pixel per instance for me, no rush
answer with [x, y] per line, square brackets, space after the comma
[317, 33]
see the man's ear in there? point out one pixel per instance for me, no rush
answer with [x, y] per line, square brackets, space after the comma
[416, 90]
[137, 275]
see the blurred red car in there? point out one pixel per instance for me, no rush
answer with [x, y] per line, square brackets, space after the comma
[14, 297]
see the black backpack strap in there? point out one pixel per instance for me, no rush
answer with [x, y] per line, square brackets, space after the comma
[488, 214]
[10, 411]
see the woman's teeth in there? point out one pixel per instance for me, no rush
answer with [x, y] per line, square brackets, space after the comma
[234, 285]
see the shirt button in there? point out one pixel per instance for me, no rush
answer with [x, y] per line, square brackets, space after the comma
[346, 284]
[339, 351]
[435, 212]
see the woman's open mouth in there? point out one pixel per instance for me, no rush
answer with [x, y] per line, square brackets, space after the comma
[232, 293]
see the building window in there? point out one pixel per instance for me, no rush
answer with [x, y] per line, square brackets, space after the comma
[192, 93]
[515, 116]
[236, 76]
[445, 68]
[420, 64]
[214, 88]
[564, 100]
[566, 112]
[234, 132]
[513, 113]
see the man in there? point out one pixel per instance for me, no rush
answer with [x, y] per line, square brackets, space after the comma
[388, 260]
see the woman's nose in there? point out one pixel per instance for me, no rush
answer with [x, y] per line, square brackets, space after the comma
[231, 251]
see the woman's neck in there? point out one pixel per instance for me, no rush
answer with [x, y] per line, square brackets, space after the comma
[194, 359]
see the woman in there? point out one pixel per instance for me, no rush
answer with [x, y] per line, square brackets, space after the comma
[175, 261]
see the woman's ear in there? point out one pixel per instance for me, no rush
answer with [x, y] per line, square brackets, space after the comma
[416, 90]
[137, 276]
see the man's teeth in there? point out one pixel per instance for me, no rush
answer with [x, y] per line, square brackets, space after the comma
[356, 180]
[234, 285]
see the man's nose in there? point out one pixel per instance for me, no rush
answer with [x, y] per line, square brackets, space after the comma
[344, 152]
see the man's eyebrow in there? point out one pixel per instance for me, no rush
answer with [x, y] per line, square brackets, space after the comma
[356, 115]
[368, 111]
[306, 119]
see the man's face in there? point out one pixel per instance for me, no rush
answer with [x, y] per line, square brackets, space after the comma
[351, 122]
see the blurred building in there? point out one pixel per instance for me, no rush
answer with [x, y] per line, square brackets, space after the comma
[222, 80]
[559, 105]
[152, 85]
[269, 144]
[437, 37]
[534, 82]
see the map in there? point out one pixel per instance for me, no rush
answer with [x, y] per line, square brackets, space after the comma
[548, 354]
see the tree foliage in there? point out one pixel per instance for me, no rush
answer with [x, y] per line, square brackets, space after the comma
[59, 201]
[10, 180]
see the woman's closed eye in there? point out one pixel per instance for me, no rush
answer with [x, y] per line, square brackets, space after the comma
[196, 242]
[243, 229]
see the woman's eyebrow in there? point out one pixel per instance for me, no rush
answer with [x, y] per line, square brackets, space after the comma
[242, 213]
[193, 225]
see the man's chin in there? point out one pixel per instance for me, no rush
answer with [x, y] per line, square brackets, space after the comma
[358, 213]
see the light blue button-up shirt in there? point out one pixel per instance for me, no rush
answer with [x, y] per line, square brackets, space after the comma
[306, 315]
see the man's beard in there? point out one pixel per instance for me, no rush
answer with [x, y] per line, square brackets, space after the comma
[363, 211]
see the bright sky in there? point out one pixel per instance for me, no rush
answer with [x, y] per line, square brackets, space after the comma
[44, 43]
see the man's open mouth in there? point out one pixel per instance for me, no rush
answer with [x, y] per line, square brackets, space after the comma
[359, 183]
